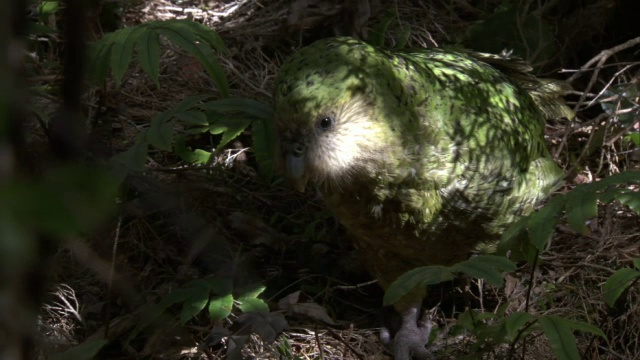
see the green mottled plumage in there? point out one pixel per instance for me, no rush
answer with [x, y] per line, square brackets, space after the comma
[429, 153]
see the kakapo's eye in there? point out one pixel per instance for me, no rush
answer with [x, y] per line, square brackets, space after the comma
[325, 123]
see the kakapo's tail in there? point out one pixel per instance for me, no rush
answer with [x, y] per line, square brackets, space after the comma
[548, 94]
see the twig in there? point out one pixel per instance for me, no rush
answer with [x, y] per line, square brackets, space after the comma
[610, 82]
[601, 58]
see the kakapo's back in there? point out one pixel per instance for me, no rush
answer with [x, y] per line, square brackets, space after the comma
[422, 155]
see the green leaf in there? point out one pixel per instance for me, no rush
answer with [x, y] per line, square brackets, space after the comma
[403, 38]
[66, 200]
[509, 28]
[186, 39]
[149, 54]
[634, 137]
[252, 304]
[192, 156]
[560, 336]
[253, 292]
[136, 157]
[40, 29]
[585, 327]
[47, 8]
[122, 50]
[205, 33]
[220, 286]
[253, 108]
[87, 350]
[99, 60]
[473, 320]
[220, 307]
[629, 198]
[418, 277]
[160, 134]
[510, 240]
[264, 145]
[193, 117]
[488, 267]
[196, 301]
[515, 322]
[152, 312]
[636, 263]
[581, 206]
[376, 35]
[617, 283]
[186, 104]
[234, 129]
[542, 223]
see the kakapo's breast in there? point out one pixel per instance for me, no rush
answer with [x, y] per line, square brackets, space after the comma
[392, 241]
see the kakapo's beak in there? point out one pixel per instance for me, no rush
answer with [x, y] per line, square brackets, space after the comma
[294, 166]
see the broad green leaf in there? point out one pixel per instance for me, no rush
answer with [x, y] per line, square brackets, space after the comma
[235, 344]
[170, 299]
[220, 307]
[581, 206]
[403, 36]
[40, 29]
[99, 60]
[488, 267]
[636, 263]
[85, 351]
[542, 223]
[186, 104]
[560, 336]
[510, 239]
[622, 178]
[634, 137]
[192, 156]
[264, 145]
[209, 60]
[201, 157]
[511, 28]
[492, 333]
[630, 198]
[133, 159]
[65, 202]
[515, 322]
[160, 134]
[205, 33]
[585, 327]
[136, 156]
[202, 52]
[234, 129]
[469, 319]
[252, 304]
[617, 283]
[193, 117]
[253, 292]
[152, 312]
[47, 8]
[122, 50]
[418, 277]
[250, 107]
[220, 286]
[377, 34]
[148, 46]
[198, 296]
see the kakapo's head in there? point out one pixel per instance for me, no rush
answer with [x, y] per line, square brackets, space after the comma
[333, 105]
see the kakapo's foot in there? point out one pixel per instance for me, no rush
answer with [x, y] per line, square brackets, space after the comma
[411, 340]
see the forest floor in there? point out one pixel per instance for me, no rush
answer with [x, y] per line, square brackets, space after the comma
[179, 223]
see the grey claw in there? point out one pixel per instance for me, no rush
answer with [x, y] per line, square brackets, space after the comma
[409, 343]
